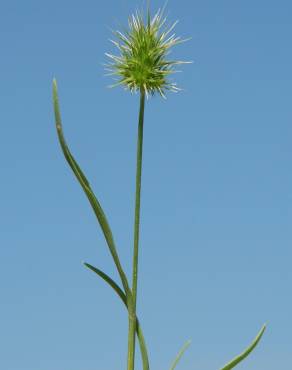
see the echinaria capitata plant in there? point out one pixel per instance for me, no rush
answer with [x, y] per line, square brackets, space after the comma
[141, 65]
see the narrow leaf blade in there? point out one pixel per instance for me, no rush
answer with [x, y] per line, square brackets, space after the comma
[123, 297]
[100, 215]
[180, 354]
[108, 280]
[245, 353]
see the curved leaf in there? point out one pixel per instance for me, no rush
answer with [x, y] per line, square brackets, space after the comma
[123, 297]
[109, 280]
[89, 193]
[179, 355]
[245, 353]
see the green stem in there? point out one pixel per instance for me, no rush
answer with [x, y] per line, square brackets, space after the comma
[132, 315]
[138, 196]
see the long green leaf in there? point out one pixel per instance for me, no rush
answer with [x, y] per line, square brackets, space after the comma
[109, 280]
[179, 355]
[123, 297]
[89, 193]
[245, 353]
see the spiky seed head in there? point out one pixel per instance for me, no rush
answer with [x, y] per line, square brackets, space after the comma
[142, 63]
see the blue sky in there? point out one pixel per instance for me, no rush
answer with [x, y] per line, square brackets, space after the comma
[216, 195]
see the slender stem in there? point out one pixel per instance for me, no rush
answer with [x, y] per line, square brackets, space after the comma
[138, 196]
[132, 312]
[131, 339]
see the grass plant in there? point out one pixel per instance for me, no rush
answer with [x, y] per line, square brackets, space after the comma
[141, 66]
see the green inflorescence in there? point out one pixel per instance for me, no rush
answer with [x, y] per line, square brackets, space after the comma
[142, 63]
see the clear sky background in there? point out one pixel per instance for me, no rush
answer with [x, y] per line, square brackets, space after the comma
[217, 188]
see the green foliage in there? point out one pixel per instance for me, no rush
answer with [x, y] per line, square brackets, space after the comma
[180, 354]
[245, 353]
[123, 297]
[142, 65]
[100, 215]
